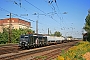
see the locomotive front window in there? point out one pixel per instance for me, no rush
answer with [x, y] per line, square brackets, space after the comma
[22, 36]
[26, 37]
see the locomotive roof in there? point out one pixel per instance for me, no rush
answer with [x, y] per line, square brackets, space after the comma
[39, 35]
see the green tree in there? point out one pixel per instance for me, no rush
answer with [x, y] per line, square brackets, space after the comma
[57, 33]
[15, 35]
[87, 25]
[4, 36]
[70, 37]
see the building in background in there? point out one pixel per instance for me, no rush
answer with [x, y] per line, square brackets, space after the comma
[16, 23]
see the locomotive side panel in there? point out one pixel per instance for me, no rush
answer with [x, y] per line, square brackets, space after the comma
[55, 40]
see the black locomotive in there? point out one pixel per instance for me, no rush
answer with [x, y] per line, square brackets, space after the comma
[32, 40]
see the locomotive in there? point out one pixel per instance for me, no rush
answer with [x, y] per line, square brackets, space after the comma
[32, 40]
[37, 40]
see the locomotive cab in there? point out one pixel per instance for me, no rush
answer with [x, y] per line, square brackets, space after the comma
[24, 41]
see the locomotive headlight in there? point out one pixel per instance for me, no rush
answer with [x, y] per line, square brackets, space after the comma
[26, 42]
[20, 42]
[23, 43]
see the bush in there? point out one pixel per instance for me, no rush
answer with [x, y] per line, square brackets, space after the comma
[3, 42]
[77, 52]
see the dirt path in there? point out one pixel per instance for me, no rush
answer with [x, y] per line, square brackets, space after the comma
[87, 56]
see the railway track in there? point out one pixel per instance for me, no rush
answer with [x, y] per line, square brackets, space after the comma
[53, 54]
[10, 48]
[58, 47]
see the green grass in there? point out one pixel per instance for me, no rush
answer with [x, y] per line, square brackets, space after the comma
[41, 57]
[7, 44]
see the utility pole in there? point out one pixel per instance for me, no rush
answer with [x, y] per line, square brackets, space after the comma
[37, 26]
[48, 31]
[9, 38]
[37, 21]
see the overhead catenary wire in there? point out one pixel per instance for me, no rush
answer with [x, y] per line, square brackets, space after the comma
[59, 11]
[41, 11]
[33, 20]
[35, 7]
[45, 13]
[2, 9]
[16, 14]
[50, 2]
[53, 8]
[16, 3]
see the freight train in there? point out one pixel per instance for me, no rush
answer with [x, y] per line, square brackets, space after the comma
[37, 40]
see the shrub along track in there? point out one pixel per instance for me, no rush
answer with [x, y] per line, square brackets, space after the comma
[55, 48]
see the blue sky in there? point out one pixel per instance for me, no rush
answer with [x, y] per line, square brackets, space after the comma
[49, 15]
